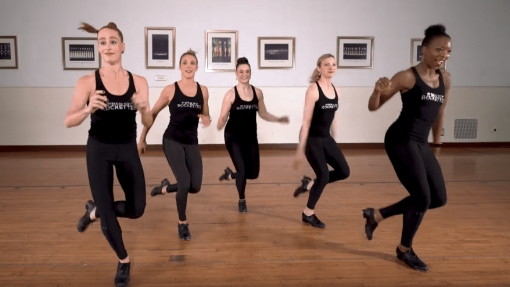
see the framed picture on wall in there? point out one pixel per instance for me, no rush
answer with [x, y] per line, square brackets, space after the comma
[355, 52]
[220, 51]
[80, 54]
[277, 52]
[416, 55]
[8, 52]
[159, 48]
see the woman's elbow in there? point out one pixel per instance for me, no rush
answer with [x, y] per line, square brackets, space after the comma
[372, 107]
[68, 123]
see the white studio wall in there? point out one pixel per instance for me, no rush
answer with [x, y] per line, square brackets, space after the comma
[41, 122]
[35, 97]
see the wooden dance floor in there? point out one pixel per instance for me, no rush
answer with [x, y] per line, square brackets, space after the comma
[465, 243]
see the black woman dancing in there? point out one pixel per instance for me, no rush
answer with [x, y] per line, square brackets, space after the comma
[316, 140]
[112, 96]
[188, 102]
[240, 106]
[424, 90]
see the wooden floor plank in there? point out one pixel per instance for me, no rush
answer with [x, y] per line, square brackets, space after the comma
[465, 243]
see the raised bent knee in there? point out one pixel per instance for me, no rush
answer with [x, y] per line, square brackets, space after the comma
[345, 173]
[438, 203]
[194, 189]
[183, 188]
[423, 204]
[321, 181]
[252, 176]
[139, 211]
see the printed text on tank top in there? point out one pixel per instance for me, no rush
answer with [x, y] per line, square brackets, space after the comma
[420, 108]
[116, 123]
[323, 114]
[435, 95]
[328, 106]
[247, 106]
[117, 106]
[190, 104]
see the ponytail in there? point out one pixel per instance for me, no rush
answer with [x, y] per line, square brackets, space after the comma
[90, 29]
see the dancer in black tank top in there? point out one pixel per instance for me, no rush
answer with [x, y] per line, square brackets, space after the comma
[187, 102]
[424, 91]
[315, 139]
[112, 96]
[240, 106]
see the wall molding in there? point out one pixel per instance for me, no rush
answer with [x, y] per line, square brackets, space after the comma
[221, 147]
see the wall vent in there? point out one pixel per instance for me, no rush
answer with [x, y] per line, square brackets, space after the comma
[465, 128]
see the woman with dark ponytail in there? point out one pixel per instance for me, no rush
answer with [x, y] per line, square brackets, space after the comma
[187, 102]
[240, 106]
[112, 96]
[424, 90]
[316, 139]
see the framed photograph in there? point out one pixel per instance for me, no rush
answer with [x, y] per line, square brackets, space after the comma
[277, 52]
[416, 54]
[159, 48]
[80, 54]
[8, 52]
[220, 51]
[355, 52]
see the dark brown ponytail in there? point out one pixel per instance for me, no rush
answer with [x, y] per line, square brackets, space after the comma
[90, 29]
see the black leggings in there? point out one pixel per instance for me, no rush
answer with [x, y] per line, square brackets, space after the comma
[321, 151]
[101, 158]
[185, 161]
[244, 153]
[419, 172]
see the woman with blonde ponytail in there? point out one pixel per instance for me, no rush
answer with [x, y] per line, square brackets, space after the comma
[112, 96]
[316, 139]
[188, 103]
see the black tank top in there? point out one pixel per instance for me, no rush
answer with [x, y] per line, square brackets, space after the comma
[242, 120]
[323, 114]
[116, 123]
[184, 113]
[420, 107]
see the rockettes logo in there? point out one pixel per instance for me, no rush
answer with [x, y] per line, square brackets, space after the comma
[433, 97]
[191, 105]
[329, 106]
[247, 107]
[116, 106]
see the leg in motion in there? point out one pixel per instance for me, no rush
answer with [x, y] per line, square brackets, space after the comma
[131, 178]
[314, 152]
[407, 159]
[235, 150]
[175, 155]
